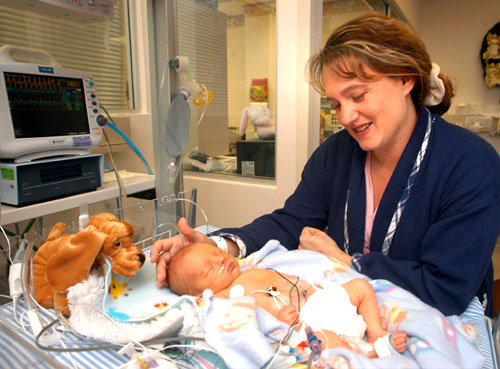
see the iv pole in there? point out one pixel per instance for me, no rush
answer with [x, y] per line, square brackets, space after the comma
[164, 13]
[162, 48]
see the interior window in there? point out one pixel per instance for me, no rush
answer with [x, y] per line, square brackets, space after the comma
[231, 47]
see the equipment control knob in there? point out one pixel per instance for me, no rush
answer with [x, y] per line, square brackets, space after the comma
[101, 120]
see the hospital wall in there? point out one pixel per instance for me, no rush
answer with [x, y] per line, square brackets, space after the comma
[453, 31]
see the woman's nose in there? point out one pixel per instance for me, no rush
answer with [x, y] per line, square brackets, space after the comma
[347, 115]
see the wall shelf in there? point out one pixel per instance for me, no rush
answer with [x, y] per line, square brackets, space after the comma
[134, 182]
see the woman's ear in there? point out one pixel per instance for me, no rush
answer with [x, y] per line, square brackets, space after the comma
[408, 83]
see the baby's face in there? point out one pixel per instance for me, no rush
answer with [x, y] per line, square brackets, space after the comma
[210, 267]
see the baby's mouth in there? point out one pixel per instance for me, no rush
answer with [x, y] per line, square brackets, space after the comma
[231, 265]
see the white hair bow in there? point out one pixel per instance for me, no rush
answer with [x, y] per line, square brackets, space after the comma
[436, 87]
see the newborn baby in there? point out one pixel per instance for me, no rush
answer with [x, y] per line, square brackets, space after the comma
[340, 313]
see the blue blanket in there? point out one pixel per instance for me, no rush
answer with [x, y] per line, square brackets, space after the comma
[243, 334]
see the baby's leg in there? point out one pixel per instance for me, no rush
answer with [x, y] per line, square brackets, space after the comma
[330, 339]
[363, 296]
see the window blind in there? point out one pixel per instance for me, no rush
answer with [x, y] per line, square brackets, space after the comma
[202, 38]
[99, 49]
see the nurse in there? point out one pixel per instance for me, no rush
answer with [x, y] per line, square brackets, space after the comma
[399, 194]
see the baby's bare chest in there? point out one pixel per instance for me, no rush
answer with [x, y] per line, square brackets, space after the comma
[272, 290]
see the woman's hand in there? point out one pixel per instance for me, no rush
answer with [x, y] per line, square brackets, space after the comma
[163, 250]
[317, 240]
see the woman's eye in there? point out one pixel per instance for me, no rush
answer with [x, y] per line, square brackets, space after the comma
[359, 97]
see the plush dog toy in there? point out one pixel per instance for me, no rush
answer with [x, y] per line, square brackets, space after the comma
[65, 259]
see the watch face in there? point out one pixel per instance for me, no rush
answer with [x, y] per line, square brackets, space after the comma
[490, 56]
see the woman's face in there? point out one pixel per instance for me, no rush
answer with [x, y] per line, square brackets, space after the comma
[207, 266]
[379, 114]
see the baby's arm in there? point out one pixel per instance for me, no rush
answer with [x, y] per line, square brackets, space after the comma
[288, 314]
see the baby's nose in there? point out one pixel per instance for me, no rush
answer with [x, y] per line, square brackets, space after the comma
[219, 260]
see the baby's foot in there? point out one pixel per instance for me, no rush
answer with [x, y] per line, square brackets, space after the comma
[385, 313]
[398, 341]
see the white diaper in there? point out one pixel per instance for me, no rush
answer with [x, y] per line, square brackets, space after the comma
[330, 308]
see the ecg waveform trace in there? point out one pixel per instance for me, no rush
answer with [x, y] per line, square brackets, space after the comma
[35, 92]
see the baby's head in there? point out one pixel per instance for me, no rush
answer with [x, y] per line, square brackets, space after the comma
[200, 266]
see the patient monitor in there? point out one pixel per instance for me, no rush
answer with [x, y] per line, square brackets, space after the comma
[45, 109]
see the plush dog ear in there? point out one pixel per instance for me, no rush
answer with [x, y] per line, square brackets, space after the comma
[42, 292]
[72, 262]
[113, 227]
[101, 218]
[56, 231]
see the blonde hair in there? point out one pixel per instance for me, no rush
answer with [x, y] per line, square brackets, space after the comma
[385, 45]
[178, 276]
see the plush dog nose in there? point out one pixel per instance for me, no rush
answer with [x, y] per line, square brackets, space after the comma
[142, 258]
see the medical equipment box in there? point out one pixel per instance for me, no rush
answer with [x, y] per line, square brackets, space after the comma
[47, 179]
[255, 158]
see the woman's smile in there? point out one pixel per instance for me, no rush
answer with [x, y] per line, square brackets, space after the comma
[361, 107]
[363, 128]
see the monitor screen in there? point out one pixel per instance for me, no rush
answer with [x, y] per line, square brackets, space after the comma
[41, 104]
[46, 111]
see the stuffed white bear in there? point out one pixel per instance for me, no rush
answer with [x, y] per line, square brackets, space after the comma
[260, 116]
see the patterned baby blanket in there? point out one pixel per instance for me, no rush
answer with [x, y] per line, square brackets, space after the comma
[243, 334]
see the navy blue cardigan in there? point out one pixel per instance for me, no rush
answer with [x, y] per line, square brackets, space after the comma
[442, 247]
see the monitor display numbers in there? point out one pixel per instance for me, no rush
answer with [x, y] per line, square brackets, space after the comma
[44, 106]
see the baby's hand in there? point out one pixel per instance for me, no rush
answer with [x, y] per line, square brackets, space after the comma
[399, 340]
[288, 314]
[316, 240]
